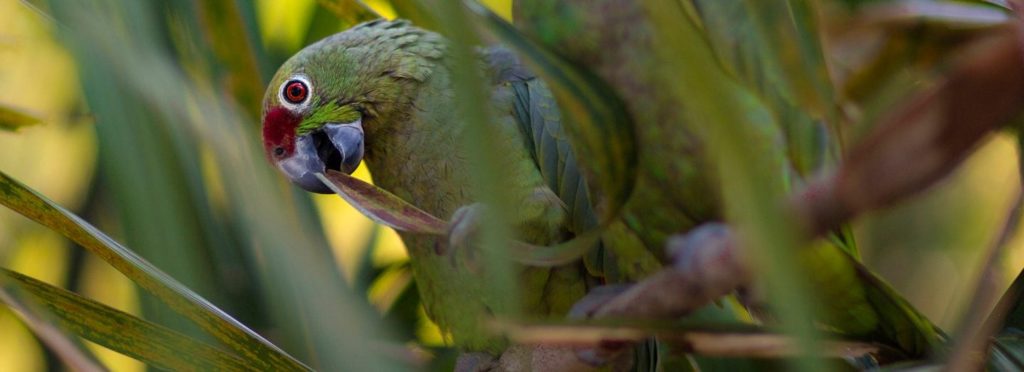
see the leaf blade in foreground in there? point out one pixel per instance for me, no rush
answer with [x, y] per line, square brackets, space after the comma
[390, 210]
[153, 344]
[12, 119]
[72, 353]
[251, 347]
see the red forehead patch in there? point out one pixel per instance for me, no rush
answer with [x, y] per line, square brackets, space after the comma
[279, 132]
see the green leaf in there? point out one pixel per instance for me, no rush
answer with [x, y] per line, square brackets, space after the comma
[223, 24]
[918, 39]
[789, 32]
[71, 352]
[1007, 352]
[352, 12]
[251, 347]
[600, 126]
[12, 119]
[735, 35]
[390, 210]
[416, 12]
[119, 331]
[728, 119]
[322, 24]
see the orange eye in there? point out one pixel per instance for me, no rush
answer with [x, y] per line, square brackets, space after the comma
[296, 91]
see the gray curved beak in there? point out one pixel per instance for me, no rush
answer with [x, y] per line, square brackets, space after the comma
[348, 140]
[336, 146]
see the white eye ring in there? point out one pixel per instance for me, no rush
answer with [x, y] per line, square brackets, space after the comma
[302, 104]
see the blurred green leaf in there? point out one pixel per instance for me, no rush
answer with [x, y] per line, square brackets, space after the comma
[600, 126]
[416, 12]
[1007, 352]
[729, 120]
[119, 331]
[253, 348]
[12, 118]
[792, 46]
[351, 12]
[71, 352]
[1015, 315]
[311, 310]
[478, 140]
[224, 23]
[323, 24]
[915, 40]
[388, 209]
[733, 32]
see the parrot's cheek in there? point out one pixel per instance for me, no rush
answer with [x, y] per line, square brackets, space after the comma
[302, 167]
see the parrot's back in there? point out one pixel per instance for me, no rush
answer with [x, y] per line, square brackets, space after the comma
[675, 187]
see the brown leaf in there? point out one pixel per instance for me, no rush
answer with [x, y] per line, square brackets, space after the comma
[383, 207]
[921, 142]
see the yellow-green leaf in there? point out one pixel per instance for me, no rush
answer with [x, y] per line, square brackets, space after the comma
[119, 331]
[601, 128]
[71, 352]
[352, 12]
[256, 351]
[13, 118]
[390, 210]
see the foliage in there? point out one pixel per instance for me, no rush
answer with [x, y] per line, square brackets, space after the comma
[172, 91]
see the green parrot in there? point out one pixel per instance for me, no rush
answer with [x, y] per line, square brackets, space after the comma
[675, 190]
[381, 93]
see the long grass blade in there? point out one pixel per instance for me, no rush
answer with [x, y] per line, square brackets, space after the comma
[250, 346]
[729, 116]
[600, 126]
[119, 331]
[388, 209]
[71, 352]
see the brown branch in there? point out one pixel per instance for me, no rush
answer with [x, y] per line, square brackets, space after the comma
[757, 344]
[706, 265]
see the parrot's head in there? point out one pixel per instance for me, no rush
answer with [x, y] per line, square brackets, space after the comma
[317, 105]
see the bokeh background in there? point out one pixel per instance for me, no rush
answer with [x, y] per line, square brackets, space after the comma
[159, 153]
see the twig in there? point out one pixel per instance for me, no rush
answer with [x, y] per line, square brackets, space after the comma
[758, 344]
[706, 265]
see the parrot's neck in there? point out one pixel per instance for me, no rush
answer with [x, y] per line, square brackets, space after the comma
[415, 153]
